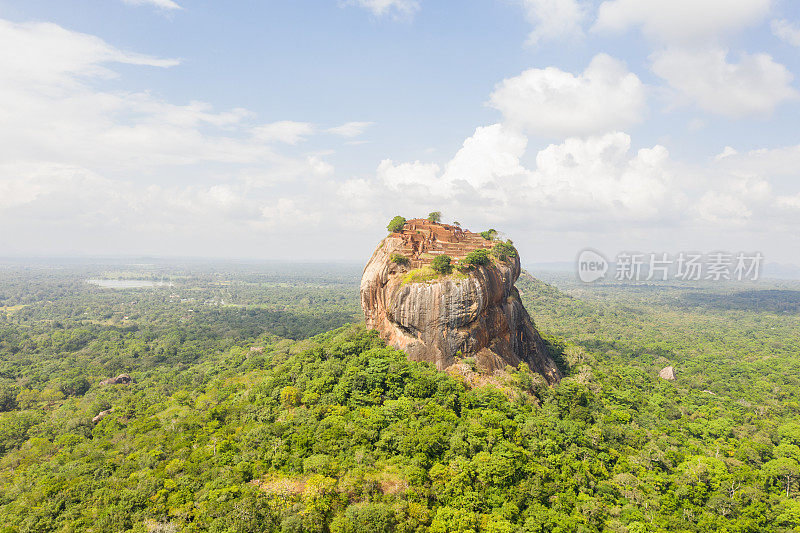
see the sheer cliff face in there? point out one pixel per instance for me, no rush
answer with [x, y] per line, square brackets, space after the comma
[478, 314]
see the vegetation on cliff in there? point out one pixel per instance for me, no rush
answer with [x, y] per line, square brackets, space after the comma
[436, 309]
[435, 216]
[442, 264]
[396, 224]
[400, 259]
[489, 234]
[478, 257]
[504, 250]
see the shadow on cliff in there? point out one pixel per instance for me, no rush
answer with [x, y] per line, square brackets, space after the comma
[556, 348]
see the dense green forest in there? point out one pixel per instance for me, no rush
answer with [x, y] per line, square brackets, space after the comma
[260, 404]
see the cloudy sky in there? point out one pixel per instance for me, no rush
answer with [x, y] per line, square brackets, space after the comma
[297, 129]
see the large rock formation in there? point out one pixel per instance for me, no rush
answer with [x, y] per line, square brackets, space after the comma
[442, 318]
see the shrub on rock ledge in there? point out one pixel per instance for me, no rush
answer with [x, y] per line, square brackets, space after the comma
[477, 257]
[442, 264]
[400, 259]
[489, 234]
[396, 224]
[504, 250]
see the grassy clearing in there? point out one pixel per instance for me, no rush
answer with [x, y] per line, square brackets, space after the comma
[426, 275]
[421, 275]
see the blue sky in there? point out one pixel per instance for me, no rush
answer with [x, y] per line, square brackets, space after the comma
[295, 130]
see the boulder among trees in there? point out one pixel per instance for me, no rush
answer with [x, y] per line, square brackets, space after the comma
[122, 379]
[101, 415]
[667, 373]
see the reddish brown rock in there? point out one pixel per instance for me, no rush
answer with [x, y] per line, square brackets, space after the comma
[475, 314]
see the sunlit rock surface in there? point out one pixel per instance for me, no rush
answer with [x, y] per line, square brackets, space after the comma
[440, 320]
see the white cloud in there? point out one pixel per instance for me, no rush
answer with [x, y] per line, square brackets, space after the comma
[55, 205]
[396, 8]
[735, 200]
[694, 62]
[789, 202]
[94, 167]
[79, 164]
[49, 57]
[738, 192]
[161, 4]
[784, 161]
[285, 131]
[554, 19]
[350, 129]
[50, 110]
[358, 193]
[753, 188]
[55, 194]
[681, 21]
[493, 152]
[728, 151]
[553, 103]
[601, 175]
[22, 184]
[786, 31]
[408, 177]
[754, 85]
[721, 208]
[588, 185]
[486, 159]
[574, 182]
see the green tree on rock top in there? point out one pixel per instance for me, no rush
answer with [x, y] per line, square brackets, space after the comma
[396, 224]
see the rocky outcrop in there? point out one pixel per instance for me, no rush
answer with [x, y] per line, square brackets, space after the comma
[667, 373]
[441, 319]
[101, 415]
[122, 379]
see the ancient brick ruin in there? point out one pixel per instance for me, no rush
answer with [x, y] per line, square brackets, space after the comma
[422, 240]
